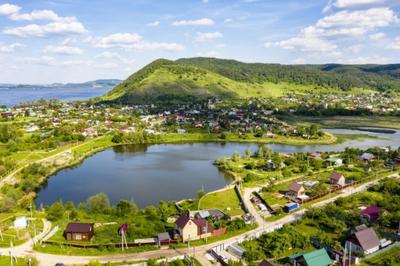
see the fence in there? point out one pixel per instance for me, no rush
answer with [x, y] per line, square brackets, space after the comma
[243, 204]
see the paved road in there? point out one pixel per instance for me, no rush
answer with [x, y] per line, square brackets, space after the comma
[264, 227]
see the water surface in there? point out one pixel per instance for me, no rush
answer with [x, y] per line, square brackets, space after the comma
[150, 173]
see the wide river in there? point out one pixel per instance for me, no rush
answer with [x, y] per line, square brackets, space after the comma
[150, 173]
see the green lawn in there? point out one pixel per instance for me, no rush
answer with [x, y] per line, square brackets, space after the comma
[390, 257]
[20, 236]
[5, 260]
[227, 201]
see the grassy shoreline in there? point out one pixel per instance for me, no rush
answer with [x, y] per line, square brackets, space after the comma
[346, 122]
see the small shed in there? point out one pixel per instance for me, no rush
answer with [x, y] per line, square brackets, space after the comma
[163, 239]
[236, 250]
[21, 223]
[79, 231]
[337, 179]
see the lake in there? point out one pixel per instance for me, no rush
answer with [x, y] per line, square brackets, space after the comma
[14, 96]
[150, 173]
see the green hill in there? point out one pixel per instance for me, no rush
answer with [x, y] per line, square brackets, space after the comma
[200, 78]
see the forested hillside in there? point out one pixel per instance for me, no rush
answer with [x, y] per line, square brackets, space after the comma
[199, 78]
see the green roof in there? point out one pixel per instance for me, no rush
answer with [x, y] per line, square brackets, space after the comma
[315, 258]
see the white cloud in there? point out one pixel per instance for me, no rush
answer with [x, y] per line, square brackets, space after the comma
[204, 1]
[112, 55]
[355, 49]
[214, 54]
[41, 15]
[68, 41]
[352, 23]
[305, 44]
[53, 28]
[9, 48]
[121, 40]
[207, 36]
[299, 61]
[395, 44]
[63, 50]
[319, 37]
[8, 9]
[106, 65]
[44, 60]
[198, 22]
[377, 36]
[228, 20]
[51, 61]
[350, 3]
[133, 41]
[163, 46]
[154, 23]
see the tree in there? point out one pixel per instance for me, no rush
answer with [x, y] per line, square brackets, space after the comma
[248, 153]
[117, 138]
[164, 210]
[98, 203]
[125, 208]
[200, 193]
[55, 211]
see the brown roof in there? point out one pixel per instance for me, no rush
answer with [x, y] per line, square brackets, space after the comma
[265, 263]
[79, 228]
[203, 226]
[367, 238]
[295, 187]
[336, 176]
[183, 220]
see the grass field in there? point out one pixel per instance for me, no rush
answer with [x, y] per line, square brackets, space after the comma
[227, 201]
[347, 121]
[392, 254]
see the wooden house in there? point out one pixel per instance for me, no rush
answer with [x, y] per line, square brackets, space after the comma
[79, 231]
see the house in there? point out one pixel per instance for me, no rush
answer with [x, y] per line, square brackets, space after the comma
[296, 190]
[371, 213]
[181, 131]
[365, 241]
[335, 161]
[265, 263]
[337, 179]
[366, 157]
[193, 228]
[314, 258]
[79, 231]
[316, 155]
[21, 223]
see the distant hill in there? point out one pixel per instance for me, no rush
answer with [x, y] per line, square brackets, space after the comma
[100, 83]
[198, 78]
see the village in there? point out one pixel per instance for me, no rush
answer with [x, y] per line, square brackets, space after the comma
[39, 139]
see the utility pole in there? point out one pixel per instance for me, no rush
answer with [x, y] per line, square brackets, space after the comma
[350, 256]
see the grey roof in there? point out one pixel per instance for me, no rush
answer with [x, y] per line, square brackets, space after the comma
[367, 239]
[163, 236]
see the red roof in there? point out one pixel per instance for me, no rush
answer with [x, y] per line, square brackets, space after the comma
[79, 228]
[203, 226]
[372, 212]
[183, 220]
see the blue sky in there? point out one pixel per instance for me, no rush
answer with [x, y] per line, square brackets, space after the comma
[46, 41]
